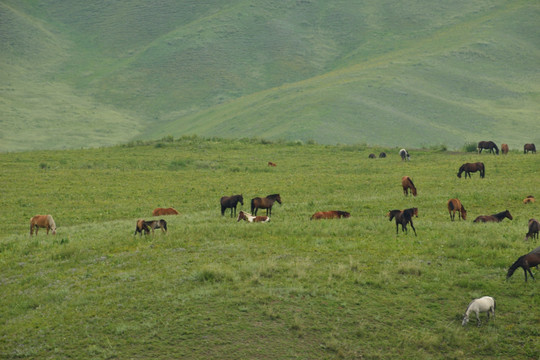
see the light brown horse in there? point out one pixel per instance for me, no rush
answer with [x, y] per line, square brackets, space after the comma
[534, 228]
[494, 218]
[264, 203]
[456, 205]
[334, 214]
[529, 199]
[42, 221]
[504, 149]
[526, 262]
[407, 184]
[164, 211]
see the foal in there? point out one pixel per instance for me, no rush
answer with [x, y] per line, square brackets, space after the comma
[403, 217]
[484, 304]
[250, 218]
[456, 205]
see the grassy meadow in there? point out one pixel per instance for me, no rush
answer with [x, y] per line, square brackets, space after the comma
[289, 289]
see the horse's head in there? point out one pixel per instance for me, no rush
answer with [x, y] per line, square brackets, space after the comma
[463, 213]
[277, 198]
[241, 199]
[508, 215]
[241, 216]
[465, 320]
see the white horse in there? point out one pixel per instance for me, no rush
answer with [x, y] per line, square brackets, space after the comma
[250, 218]
[404, 154]
[484, 304]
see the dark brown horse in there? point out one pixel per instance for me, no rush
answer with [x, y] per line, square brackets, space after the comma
[146, 226]
[456, 205]
[230, 202]
[382, 155]
[488, 145]
[534, 228]
[526, 262]
[372, 156]
[529, 147]
[504, 149]
[334, 214]
[42, 221]
[164, 211]
[406, 183]
[495, 217]
[468, 168]
[264, 203]
[403, 217]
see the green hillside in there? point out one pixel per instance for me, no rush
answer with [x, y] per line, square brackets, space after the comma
[391, 73]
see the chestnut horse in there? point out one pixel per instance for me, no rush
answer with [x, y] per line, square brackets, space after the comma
[495, 217]
[529, 199]
[250, 218]
[526, 262]
[529, 147]
[488, 145]
[534, 228]
[334, 214]
[163, 211]
[231, 202]
[403, 217]
[272, 164]
[504, 149]
[146, 226]
[42, 221]
[406, 183]
[472, 167]
[264, 203]
[456, 205]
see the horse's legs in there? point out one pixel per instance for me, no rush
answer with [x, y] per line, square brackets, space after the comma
[413, 228]
[478, 322]
[530, 272]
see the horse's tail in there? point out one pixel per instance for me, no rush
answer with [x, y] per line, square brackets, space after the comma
[514, 266]
[451, 205]
[482, 170]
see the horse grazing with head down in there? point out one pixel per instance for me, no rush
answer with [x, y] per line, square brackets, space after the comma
[146, 226]
[403, 217]
[250, 218]
[534, 228]
[407, 183]
[230, 202]
[456, 205]
[264, 203]
[42, 221]
[488, 145]
[468, 168]
[484, 304]
[382, 155]
[526, 262]
[404, 155]
[494, 218]
[504, 149]
[334, 214]
[164, 211]
[529, 147]
[371, 156]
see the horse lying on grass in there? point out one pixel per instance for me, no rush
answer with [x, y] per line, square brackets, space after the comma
[494, 218]
[250, 218]
[334, 214]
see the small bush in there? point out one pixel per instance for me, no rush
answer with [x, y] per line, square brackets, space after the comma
[469, 147]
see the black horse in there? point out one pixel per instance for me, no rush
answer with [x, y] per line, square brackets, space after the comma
[403, 217]
[529, 147]
[472, 167]
[264, 203]
[488, 145]
[231, 202]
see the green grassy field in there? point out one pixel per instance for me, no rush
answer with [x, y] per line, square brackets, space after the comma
[409, 73]
[292, 288]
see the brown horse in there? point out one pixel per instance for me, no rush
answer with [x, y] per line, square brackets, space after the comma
[495, 217]
[231, 202]
[534, 228]
[403, 217]
[456, 205]
[164, 211]
[529, 147]
[504, 149]
[334, 214]
[146, 226]
[526, 262]
[529, 199]
[472, 167]
[406, 183]
[42, 221]
[272, 164]
[264, 203]
[250, 218]
[488, 145]
[140, 227]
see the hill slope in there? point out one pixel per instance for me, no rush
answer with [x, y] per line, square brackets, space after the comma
[413, 73]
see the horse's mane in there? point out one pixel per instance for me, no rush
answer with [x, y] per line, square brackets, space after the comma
[393, 213]
[51, 222]
[273, 196]
[500, 215]
[410, 180]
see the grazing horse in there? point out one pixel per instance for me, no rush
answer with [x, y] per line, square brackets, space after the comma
[250, 218]
[372, 156]
[472, 167]
[504, 149]
[526, 262]
[140, 227]
[146, 226]
[164, 211]
[382, 155]
[264, 203]
[334, 214]
[529, 199]
[272, 164]
[456, 205]
[231, 202]
[495, 217]
[534, 228]
[403, 217]
[404, 155]
[488, 145]
[406, 183]
[42, 221]
[484, 304]
[529, 147]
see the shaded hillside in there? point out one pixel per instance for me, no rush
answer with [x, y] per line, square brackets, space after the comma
[411, 73]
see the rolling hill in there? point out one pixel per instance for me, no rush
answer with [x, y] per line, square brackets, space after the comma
[413, 73]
